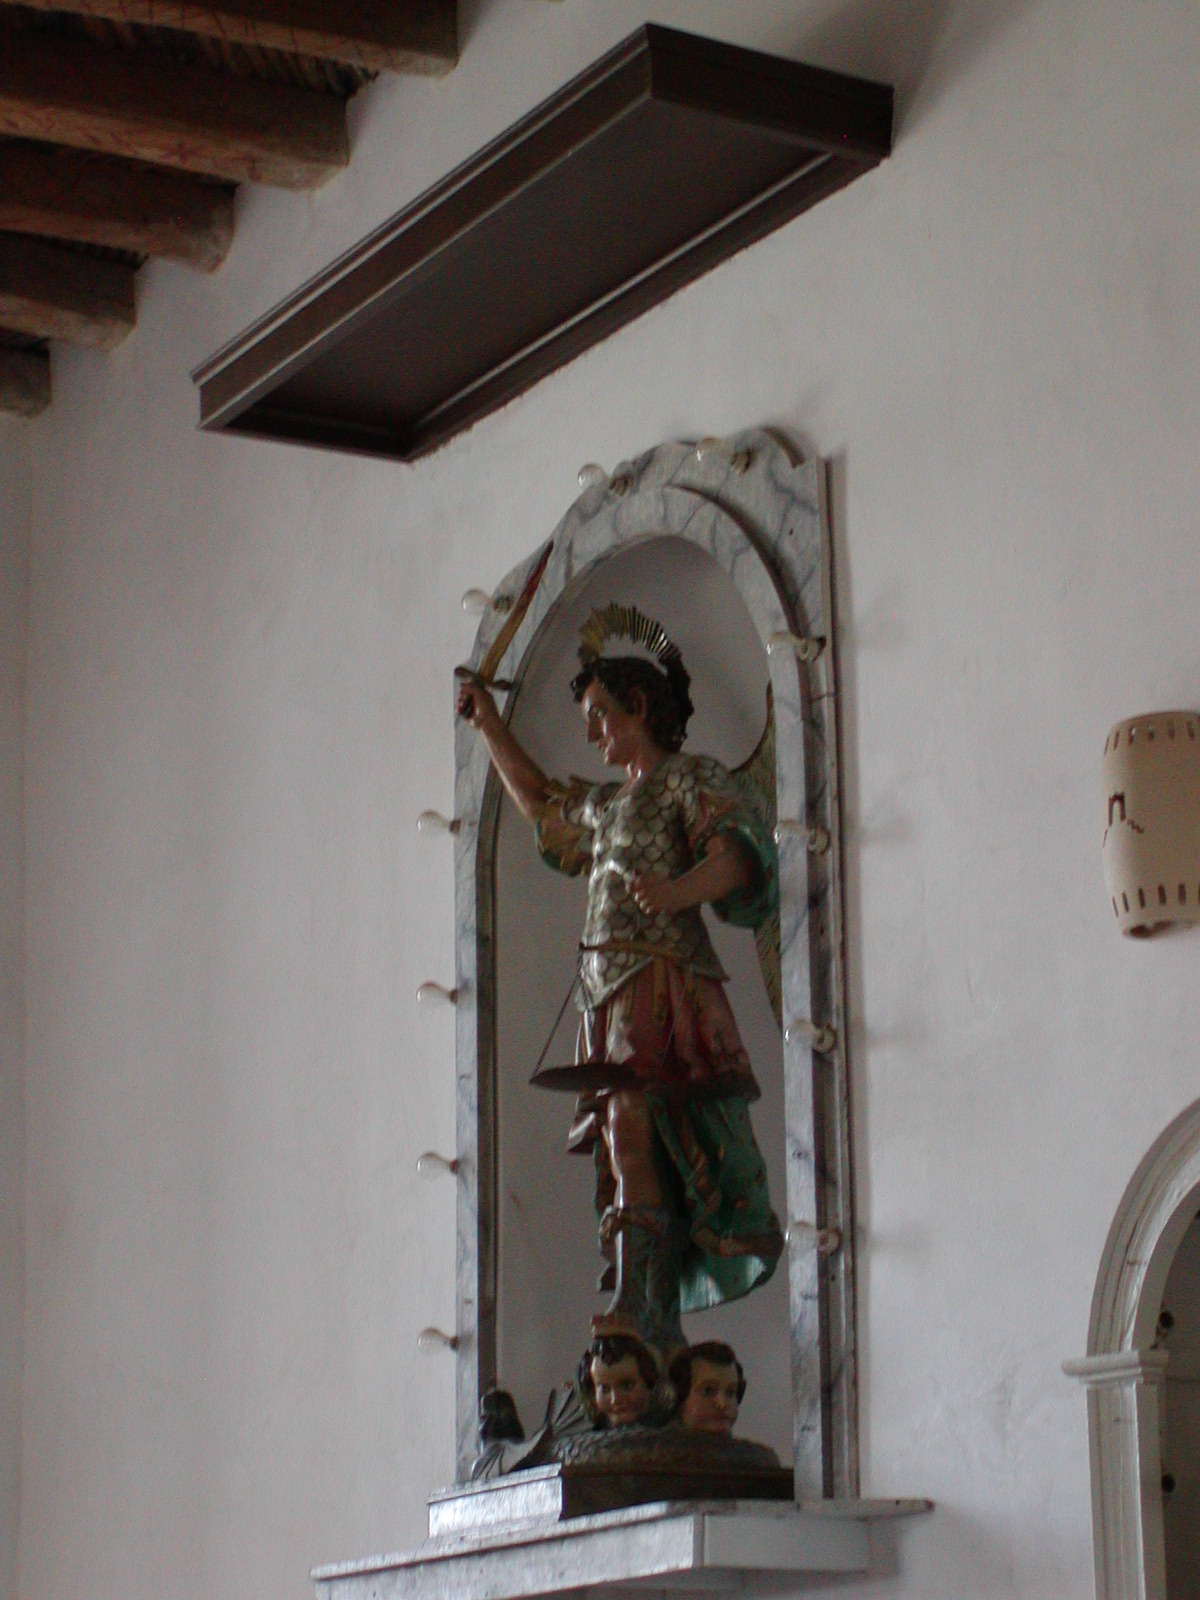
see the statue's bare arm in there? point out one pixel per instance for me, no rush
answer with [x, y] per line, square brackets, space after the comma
[519, 773]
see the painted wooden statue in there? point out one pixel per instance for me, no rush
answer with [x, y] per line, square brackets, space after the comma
[686, 1221]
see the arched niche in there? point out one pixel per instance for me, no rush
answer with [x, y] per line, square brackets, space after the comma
[751, 516]
[1126, 1365]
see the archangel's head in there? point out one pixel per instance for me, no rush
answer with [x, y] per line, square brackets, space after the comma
[653, 687]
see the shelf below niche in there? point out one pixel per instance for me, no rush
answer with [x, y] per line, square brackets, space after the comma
[710, 1545]
[662, 159]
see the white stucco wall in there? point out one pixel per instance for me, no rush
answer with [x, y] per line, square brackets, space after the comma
[14, 597]
[239, 699]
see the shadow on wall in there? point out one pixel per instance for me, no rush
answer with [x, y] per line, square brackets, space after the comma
[921, 47]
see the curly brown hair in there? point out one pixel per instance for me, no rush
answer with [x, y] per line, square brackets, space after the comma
[663, 689]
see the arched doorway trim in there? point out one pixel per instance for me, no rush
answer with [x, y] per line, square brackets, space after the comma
[1123, 1370]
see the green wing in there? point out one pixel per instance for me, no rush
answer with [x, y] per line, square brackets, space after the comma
[756, 779]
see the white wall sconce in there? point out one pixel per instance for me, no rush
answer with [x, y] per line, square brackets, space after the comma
[1151, 843]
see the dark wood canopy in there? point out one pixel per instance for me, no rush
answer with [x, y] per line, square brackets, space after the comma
[668, 155]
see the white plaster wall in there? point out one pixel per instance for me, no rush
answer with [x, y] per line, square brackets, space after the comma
[14, 598]
[239, 698]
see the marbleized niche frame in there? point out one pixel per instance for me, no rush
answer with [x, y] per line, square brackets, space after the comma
[751, 503]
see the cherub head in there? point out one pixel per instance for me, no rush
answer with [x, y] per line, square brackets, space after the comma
[617, 1377]
[709, 1385]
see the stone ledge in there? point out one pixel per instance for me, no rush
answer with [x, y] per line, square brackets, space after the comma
[705, 1545]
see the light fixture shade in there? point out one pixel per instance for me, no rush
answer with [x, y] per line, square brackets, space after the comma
[1152, 820]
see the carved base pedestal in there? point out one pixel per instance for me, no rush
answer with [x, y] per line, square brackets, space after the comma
[584, 1488]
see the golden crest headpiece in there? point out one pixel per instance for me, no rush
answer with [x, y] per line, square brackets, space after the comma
[615, 621]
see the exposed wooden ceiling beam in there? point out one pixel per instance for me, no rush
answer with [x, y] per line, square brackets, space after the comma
[90, 199]
[143, 105]
[381, 35]
[54, 292]
[24, 381]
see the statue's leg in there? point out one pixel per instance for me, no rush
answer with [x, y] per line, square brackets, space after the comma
[629, 1134]
[646, 1299]
[588, 1134]
[648, 1236]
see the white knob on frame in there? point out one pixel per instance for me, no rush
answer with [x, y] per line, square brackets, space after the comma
[477, 603]
[712, 451]
[430, 1164]
[436, 1339]
[430, 990]
[803, 649]
[827, 1240]
[822, 1039]
[435, 822]
[816, 839]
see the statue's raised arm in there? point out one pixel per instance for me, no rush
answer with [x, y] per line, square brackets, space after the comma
[519, 773]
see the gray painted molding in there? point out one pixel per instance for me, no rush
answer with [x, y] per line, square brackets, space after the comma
[761, 512]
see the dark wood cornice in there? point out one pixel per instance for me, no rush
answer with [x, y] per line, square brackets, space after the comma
[662, 159]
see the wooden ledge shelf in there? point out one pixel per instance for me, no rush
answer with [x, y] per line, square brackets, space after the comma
[663, 159]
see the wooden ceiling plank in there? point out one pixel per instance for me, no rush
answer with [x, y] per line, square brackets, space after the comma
[24, 381]
[141, 105]
[91, 199]
[53, 292]
[379, 35]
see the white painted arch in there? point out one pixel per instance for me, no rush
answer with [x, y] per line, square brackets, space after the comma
[1124, 1369]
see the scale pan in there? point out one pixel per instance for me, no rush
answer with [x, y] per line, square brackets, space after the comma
[587, 1077]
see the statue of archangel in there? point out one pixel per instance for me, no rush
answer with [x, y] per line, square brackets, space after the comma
[686, 1221]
